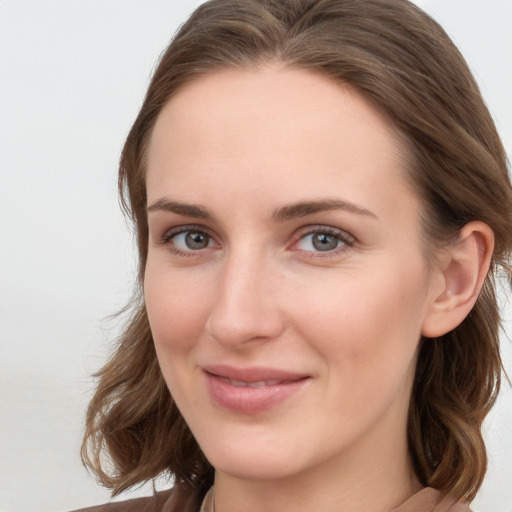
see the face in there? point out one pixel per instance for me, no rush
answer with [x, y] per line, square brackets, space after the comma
[286, 285]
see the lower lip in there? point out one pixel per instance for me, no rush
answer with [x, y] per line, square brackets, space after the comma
[247, 400]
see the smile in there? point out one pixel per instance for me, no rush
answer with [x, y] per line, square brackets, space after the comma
[257, 384]
[253, 390]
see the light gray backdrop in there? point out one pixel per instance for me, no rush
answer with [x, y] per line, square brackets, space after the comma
[72, 76]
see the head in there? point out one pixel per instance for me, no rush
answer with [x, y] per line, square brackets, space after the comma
[401, 63]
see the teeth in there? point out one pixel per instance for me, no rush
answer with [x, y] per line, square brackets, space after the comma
[257, 384]
[237, 383]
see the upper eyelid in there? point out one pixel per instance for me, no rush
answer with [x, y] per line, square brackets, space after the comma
[320, 228]
[169, 233]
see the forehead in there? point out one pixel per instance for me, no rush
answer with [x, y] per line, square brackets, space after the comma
[292, 128]
[263, 99]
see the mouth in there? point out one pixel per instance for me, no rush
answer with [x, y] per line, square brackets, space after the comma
[251, 390]
[257, 384]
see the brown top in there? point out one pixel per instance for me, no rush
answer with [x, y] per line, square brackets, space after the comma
[182, 500]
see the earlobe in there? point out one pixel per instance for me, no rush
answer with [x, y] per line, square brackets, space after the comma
[462, 274]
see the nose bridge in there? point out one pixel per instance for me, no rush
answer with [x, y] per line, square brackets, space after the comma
[245, 306]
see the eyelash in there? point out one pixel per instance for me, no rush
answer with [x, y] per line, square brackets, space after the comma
[169, 235]
[346, 240]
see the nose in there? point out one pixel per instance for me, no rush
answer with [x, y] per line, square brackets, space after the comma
[245, 307]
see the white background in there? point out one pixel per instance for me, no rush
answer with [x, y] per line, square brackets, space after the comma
[72, 77]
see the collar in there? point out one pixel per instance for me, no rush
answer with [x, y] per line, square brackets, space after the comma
[426, 500]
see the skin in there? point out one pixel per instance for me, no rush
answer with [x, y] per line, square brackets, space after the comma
[241, 145]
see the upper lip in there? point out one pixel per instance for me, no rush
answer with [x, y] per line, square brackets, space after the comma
[252, 374]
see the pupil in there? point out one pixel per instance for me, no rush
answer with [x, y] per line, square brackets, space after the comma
[196, 240]
[324, 242]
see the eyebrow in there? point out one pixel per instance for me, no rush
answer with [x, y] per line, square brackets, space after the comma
[281, 214]
[188, 210]
[304, 208]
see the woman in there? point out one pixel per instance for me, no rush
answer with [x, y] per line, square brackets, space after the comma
[322, 206]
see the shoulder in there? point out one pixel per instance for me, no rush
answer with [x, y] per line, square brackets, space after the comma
[172, 500]
[460, 507]
[431, 500]
[147, 504]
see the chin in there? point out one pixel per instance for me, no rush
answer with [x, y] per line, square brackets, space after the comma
[262, 469]
[253, 460]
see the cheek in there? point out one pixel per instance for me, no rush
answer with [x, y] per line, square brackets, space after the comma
[366, 332]
[361, 319]
[177, 314]
[176, 307]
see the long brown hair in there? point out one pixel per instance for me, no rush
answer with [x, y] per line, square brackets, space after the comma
[401, 60]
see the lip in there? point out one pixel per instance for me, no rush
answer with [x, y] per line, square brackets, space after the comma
[251, 390]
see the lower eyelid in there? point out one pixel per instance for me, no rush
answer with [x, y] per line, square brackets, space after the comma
[346, 241]
[166, 240]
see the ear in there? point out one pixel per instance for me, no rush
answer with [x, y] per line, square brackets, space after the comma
[459, 279]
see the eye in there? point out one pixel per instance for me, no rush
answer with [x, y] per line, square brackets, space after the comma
[324, 240]
[188, 240]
